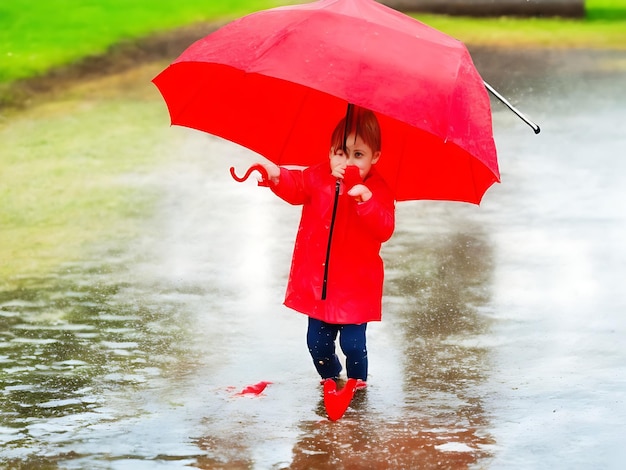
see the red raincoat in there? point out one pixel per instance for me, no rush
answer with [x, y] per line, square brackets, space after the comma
[355, 272]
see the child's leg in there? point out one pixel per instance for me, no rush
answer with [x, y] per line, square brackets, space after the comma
[353, 344]
[321, 338]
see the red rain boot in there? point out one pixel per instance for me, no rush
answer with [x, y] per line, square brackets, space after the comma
[337, 402]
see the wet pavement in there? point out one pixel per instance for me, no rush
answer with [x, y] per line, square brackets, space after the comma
[503, 341]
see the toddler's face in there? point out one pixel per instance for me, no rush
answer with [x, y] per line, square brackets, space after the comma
[358, 154]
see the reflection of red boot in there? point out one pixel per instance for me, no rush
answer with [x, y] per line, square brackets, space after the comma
[337, 402]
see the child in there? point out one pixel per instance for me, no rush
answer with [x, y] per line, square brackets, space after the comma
[351, 296]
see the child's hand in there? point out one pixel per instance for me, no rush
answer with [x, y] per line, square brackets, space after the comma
[273, 172]
[360, 192]
[338, 172]
[338, 164]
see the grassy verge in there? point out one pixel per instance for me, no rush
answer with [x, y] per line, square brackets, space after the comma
[603, 27]
[73, 172]
[36, 36]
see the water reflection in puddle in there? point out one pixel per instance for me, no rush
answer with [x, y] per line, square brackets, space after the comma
[70, 344]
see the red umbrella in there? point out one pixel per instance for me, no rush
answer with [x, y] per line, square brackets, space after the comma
[279, 80]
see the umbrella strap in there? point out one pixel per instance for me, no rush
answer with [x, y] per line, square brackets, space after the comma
[330, 237]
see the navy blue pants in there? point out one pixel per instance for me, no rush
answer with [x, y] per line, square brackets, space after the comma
[321, 337]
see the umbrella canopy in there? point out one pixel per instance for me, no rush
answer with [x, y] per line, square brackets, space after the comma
[278, 81]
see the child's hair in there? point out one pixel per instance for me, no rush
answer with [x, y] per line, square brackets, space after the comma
[363, 123]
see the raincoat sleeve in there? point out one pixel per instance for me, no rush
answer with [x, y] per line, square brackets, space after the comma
[291, 186]
[378, 214]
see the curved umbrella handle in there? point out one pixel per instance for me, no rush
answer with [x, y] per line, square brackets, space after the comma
[260, 168]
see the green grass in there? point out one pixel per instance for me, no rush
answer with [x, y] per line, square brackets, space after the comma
[606, 10]
[603, 27]
[38, 35]
[70, 175]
